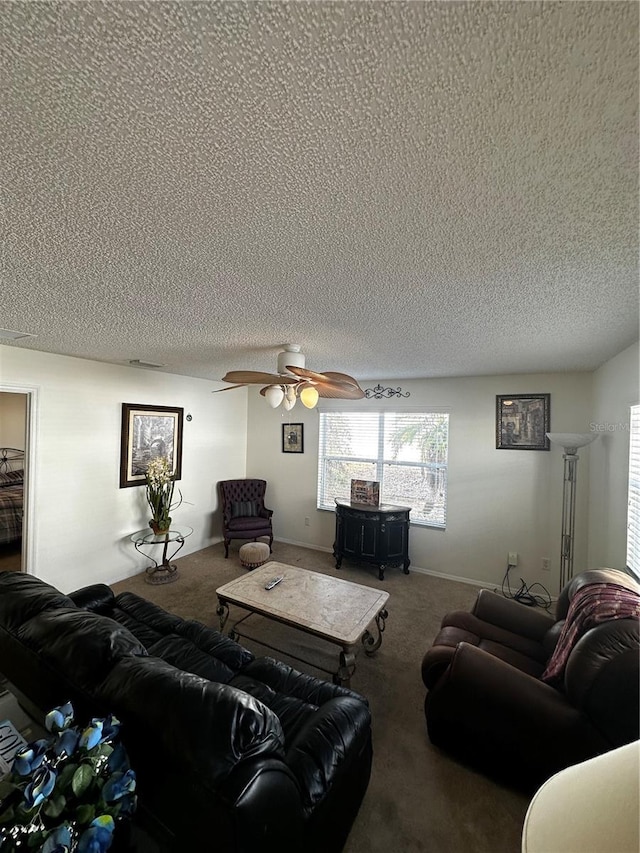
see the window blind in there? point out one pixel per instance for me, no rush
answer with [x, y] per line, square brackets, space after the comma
[406, 452]
[633, 512]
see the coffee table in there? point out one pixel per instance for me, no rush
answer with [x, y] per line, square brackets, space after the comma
[336, 610]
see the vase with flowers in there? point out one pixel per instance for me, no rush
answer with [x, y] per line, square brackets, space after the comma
[160, 488]
[67, 793]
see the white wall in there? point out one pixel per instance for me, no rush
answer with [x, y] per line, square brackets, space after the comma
[13, 415]
[82, 520]
[615, 389]
[499, 500]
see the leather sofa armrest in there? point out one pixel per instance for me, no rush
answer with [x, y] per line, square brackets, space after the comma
[266, 799]
[98, 597]
[321, 751]
[487, 711]
[512, 616]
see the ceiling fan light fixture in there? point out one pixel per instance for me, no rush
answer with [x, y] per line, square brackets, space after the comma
[309, 397]
[290, 355]
[289, 397]
[274, 395]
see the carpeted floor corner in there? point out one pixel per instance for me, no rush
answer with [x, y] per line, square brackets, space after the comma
[418, 799]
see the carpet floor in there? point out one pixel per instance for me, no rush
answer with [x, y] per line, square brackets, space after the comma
[418, 799]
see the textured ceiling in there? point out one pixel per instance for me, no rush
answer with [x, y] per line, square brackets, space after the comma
[406, 189]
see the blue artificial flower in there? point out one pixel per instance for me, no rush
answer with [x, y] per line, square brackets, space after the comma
[66, 742]
[40, 787]
[128, 804]
[92, 735]
[118, 760]
[58, 841]
[110, 727]
[59, 718]
[30, 757]
[118, 785]
[98, 835]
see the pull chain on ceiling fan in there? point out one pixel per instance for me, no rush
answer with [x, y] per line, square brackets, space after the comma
[293, 380]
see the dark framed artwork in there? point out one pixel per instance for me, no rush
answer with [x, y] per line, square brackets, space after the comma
[292, 438]
[523, 421]
[148, 432]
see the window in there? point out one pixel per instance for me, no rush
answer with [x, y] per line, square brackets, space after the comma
[406, 452]
[633, 514]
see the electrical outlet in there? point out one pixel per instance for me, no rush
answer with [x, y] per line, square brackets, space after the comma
[513, 558]
[307, 521]
[546, 564]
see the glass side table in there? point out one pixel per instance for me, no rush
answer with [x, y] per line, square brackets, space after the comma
[164, 571]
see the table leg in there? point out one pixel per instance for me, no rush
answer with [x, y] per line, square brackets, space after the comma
[346, 668]
[223, 613]
[372, 644]
[166, 571]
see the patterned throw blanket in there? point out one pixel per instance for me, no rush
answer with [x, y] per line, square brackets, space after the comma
[594, 603]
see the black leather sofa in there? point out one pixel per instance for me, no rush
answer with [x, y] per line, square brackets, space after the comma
[488, 705]
[232, 752]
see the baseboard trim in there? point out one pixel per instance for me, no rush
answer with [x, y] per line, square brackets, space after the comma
[418, 569]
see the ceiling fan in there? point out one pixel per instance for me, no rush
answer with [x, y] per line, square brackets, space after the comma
[293, 380]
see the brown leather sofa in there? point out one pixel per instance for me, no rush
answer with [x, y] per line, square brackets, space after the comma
[488, 706]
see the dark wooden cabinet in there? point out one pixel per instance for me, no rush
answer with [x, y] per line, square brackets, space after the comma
[372, 534]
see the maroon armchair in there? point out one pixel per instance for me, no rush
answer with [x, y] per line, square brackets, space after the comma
[493, 701]
[244, 515]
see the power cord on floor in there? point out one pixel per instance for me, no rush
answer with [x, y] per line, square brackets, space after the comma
[525, 594]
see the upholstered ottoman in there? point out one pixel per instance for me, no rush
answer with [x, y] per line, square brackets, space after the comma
[254, 554]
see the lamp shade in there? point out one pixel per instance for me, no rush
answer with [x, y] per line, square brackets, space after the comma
[309, 396]
[274, 395]
[588, 806]
[571, 441]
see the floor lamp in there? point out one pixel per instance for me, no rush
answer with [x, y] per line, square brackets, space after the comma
[570, 442]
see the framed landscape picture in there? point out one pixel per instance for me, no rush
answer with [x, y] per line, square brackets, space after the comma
[293, 438]
[149, 432]
[523, 421]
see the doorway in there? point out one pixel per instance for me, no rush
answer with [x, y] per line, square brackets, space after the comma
[17, 407]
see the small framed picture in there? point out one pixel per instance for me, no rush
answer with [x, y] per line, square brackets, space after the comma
[523, 421]
[293, 438]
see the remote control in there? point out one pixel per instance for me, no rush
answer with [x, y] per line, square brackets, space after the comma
[273, 582]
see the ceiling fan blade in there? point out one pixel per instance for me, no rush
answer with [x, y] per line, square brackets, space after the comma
[306, 374]
[323, 377]
[340, 377]
[339, 392]
[256, 377]
[230, 388]
[340, 386]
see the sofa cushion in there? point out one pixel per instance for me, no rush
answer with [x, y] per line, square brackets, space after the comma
[213, 726]
[292, 695]
[185, 643]
[184, 654]
[477, 630]
[24, 596]
[243, 523]
[54, 635]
